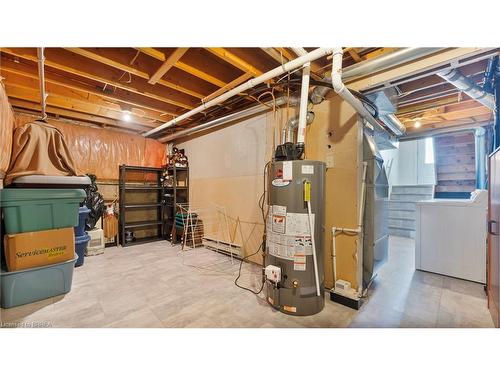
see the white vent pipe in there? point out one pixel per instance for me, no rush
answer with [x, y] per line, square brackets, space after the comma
[293, 64]
[344, 92]
[304, 96]
[41, 82]
[464, 84]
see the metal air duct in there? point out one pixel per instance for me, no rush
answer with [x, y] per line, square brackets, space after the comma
[460, 81]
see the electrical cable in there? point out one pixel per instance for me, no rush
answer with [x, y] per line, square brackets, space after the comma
[262, 201]
[239, 274]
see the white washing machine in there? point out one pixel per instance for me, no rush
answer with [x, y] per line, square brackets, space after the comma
[451, 236]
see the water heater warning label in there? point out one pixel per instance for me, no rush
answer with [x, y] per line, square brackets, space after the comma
[288, 236]
[279, 224]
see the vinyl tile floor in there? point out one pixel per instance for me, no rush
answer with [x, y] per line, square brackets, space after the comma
[157, 285]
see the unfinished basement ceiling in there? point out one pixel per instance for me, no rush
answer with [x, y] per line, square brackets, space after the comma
[155, 85]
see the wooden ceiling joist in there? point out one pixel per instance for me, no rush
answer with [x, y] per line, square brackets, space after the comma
[19, 105]
[238, 81]
[137, 102]
[183, 66]
[27, 89]
[277, 56]
[169, 63]
[129, 69]
[140, 88]
[234, 60]
[32, 95]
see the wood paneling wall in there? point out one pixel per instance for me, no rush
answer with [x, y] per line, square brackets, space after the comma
[455, 163]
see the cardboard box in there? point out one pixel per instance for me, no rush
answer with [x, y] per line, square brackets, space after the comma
[37, 249]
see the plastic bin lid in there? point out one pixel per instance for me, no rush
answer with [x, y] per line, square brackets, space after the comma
[12, 194]
[4, 272]
[54, 180]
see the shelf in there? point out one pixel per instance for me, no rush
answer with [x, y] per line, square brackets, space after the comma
[144, 240]
[176, 187]
[139, 224]
[147, 205]
[141, 169]
[171, 168]
[139, 188]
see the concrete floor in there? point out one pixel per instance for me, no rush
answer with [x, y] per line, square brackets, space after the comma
[156, 285]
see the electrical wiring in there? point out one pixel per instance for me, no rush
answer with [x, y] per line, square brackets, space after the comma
[239, 274]
[262, 201]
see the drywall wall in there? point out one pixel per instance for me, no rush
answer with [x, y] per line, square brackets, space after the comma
[226, 168]
[406, 165]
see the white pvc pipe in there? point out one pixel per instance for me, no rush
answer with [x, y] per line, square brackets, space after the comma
[344, 92]
[304, 100]
[41, 82]
[293, 64]
[304, 97]
[313, 244]
[358, 230]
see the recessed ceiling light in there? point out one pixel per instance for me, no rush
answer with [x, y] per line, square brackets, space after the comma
[417, 124]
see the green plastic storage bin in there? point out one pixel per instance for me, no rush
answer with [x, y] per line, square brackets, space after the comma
[31, 210]
[34, 284]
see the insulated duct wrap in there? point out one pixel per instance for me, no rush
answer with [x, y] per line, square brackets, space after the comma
[100, 151]
[6, 127]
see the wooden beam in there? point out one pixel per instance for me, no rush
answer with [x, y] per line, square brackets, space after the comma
[16, 79]
[234, 60]
[279, 58]
[62, 101]
[104, 60]
[127, 68]
[122, 125]
[169, 63]
[145, 90]
[238, 81]
[354, 54]
[150, 111]
[200, 74]
[185, 67]
[285, 53]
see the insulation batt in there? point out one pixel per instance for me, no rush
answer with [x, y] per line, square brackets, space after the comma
[6, 127]
[101, 151]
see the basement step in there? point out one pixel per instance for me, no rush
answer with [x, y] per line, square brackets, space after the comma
[402, 223]
[402, 232]
[402, 208]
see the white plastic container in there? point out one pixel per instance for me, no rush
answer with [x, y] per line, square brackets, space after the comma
[96, 243]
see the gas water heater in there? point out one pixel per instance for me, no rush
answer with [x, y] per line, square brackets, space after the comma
[294, 237]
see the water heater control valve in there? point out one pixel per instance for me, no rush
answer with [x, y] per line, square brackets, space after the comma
[273, 274]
